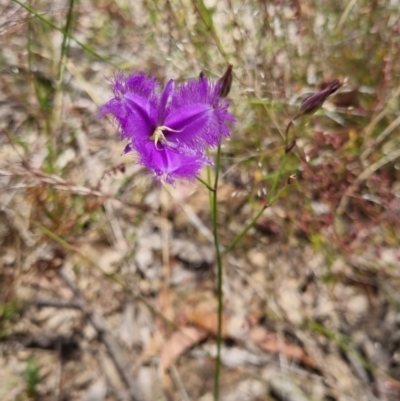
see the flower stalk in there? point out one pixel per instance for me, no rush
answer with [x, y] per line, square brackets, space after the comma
[219, 276]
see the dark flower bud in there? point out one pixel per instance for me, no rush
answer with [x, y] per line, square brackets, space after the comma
[312, 103]
[225, 82]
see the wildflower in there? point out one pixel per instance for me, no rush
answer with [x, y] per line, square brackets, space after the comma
[169, 129]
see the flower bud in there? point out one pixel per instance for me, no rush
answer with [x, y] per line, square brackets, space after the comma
[312, 103]
[225, 82]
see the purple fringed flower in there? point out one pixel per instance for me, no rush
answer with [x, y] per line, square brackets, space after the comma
[169, 129]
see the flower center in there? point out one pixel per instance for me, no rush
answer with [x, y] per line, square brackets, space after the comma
[158, 136]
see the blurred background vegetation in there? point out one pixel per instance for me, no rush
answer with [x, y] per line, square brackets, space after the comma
[107, 286]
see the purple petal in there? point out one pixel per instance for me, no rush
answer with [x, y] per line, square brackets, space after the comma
[169, 164]
[141, 117]
[209, 125]
[137, 82]
[142, 84]
[202, 91]
[191, 122]
[134, 105]
[165, 99]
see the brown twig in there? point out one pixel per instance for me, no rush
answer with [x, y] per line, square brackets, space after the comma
[57, 303]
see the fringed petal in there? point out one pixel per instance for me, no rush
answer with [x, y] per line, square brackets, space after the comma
[197, 103]
[170, 164]
[134, 105]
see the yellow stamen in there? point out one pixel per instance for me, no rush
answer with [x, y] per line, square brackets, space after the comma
[159, 137]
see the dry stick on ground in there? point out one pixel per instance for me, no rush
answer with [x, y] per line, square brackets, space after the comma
[56, 303]
[106, 337]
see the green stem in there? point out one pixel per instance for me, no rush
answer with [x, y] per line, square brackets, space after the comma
[219, 277]
[209, 187]
[245, 231]
[210, 193]
[41, 97]
[65, 42]
[277, 178]
[272, 198]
